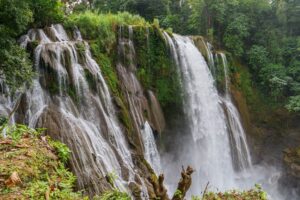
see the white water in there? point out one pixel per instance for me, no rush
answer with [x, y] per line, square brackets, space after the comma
[138, 102]
[241, 155]
[207, 122]
[218, 151]
[151, 153]
[88, 122]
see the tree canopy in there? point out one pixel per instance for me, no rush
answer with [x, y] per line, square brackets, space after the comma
[15, 18]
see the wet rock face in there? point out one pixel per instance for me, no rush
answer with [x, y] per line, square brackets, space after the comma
[292, 159]
[83, 161]
[143, 105]
[291, 177]
[157, 116]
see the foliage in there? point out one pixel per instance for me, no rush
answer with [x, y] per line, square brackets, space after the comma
[43, 175]
[254, 194]
[101, 28]
[15, 68]
[46, 12]
[16, 132]
[263, 34]
[148, 9]
[113, 195]
[258, 57]
[156, 69]
[294, 104]
[61, 150]
[236, 31]
[273, 78]
[111, 177]
[178, 194]
[15, 18]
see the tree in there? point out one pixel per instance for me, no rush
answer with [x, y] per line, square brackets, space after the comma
[46, 12]
[274, 79]
[15, 18]
[15, 66]
[257, 57]
[293, 104]
[236, 31]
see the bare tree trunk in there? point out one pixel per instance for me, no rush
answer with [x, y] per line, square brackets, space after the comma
[183, 185]
[159, 188]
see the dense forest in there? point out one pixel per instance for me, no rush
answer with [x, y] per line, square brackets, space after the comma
[260, 38]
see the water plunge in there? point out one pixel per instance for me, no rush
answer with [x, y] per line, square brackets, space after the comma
[207, 123]
[217, 147]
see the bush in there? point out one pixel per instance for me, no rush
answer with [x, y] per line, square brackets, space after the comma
[254, 194]
[258, 57]
[113, 195]
[46, 12]
[294, 104]
[273, 78]
[61, 149]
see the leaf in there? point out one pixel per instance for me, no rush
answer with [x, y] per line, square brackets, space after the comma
[13, 180]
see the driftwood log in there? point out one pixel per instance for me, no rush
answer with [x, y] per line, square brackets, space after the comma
[183, 185]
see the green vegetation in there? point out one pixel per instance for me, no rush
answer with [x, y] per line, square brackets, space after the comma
[262, 38]
[294, 104]
[61, 150]
[113, 195]
[156, 69]
[15, 18]
[101, 28]
[31, 166]
[262, 34]
[255, 193]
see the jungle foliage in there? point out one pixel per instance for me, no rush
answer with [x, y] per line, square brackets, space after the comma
[15, 18]
[263, 34]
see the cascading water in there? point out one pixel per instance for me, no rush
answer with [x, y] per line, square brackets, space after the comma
[71, 99]
[137, 101]
[207, 121]
[151, 152]
[218, 149]
[239, 147]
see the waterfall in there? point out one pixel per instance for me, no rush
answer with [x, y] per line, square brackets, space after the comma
[239, 147]
[71, 99]
[151, 152]
[218, 148]
[138, 102]
[210, 58]
[207, 121]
